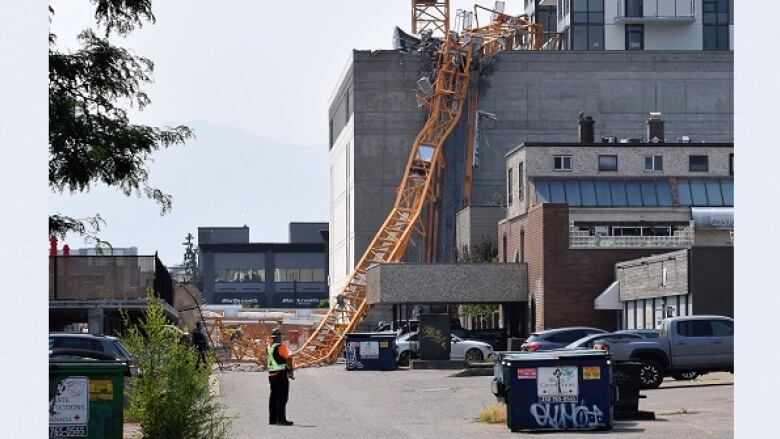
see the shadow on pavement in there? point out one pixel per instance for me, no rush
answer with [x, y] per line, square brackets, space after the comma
[688, 386]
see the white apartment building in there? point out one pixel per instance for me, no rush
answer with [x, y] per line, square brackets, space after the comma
[640, 24]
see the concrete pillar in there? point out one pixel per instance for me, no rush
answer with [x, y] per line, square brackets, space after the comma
[95, 319]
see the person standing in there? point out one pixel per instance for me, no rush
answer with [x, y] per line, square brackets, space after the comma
[280, 370]
[200, 342]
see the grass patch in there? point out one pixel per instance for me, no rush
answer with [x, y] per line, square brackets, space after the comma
[494, 414]
[682, 411]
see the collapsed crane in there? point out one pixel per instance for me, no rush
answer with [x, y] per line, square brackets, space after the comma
[455, 60]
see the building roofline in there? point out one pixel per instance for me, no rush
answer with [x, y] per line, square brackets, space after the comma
[243, 247]
[616, 144]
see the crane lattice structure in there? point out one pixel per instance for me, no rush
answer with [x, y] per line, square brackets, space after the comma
[444, 99]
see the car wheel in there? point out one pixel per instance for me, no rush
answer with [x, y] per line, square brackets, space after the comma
[403, 359]
[474, 356]
[686, 376]
[651, 374]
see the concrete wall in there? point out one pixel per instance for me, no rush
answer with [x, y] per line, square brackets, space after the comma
[642, 278]
[475, 223]
[218, 235]
[712, 280]
[307, 232]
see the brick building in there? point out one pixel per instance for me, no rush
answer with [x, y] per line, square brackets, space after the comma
[574, 210]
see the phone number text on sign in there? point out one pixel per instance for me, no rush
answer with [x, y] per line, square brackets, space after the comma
[72, 431]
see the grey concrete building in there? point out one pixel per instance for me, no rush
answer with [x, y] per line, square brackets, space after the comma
[234, 270]
[476, 224]
[535, 96]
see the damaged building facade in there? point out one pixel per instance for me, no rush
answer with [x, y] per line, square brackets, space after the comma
[525, 96]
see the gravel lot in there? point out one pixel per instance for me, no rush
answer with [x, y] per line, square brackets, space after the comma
[330, 402]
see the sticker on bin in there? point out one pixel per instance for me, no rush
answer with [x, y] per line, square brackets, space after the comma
[69, 408]
[558, 384]
[101, 389]
[369, 349]
[591, 373]
[526, 373]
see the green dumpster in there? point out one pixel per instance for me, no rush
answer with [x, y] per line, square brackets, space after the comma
[86, 399]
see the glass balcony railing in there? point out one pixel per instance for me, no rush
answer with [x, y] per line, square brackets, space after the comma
[655, 11]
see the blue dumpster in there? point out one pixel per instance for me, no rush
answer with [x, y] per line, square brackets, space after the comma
[497, 384]
[559, 390]
[370, 351]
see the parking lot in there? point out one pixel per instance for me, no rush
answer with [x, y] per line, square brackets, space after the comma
[331, 402]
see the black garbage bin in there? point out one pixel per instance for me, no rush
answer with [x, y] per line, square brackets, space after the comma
[559, 390]
[370, 351]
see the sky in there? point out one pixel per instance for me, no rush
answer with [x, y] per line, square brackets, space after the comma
[253, 79]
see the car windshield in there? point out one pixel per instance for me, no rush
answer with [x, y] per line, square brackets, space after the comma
[581, 343]
[533, 337]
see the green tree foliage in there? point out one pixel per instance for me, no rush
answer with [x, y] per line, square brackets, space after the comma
[483, 251]
[190, 258]
[478, 310]
[170, 396]
[91, 139]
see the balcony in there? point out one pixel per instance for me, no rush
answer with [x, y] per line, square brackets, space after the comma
[582, 239]
[655, 11]
[108, 278]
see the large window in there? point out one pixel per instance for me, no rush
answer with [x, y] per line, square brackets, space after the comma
[698, 192]
[520, 185]
[509, 187]
[698, 163]
[604, 192]
[654, 163]
[562, 163]
[587, 28]
[608, 163]
[716, 18]
[299, 275]
[240, 275]
[635, 8]
[635, 37]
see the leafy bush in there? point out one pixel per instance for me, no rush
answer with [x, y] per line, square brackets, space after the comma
[170, 396]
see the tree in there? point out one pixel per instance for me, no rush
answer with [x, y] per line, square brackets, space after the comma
[91, 139]
[170, 396]
[190, 259]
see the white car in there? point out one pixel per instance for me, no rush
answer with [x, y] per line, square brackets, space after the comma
[460, 349]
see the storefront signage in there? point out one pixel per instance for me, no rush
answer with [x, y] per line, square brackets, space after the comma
[713, 217]
[558, 384]
[69, 408]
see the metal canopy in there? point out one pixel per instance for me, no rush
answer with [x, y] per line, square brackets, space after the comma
[447, 283]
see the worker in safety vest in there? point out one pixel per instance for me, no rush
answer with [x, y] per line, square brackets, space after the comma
[280, 370]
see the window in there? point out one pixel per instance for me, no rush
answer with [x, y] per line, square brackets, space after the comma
[722, 328]
[698, 163]
[618, 192]
[608, 163]
[716, 18]
[587, 30]
[731, 164]
[634, 8]
[240, 275]
[635, 37]
[562, 163]
[85, 343]
[232, 275]
[521, 183]
[654, 163]
[509, 187]
[694, 328]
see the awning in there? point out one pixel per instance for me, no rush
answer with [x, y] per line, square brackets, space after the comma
[609, 299]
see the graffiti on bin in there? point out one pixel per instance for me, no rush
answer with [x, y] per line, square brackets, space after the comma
[351, 356]
[567, 415]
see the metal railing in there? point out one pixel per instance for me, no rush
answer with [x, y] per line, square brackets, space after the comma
[664, 10]
[108, 278]
[582, 239]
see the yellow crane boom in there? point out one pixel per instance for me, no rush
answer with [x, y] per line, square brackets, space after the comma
[444, 100]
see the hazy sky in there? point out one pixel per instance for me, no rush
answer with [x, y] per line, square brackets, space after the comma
[253, 78]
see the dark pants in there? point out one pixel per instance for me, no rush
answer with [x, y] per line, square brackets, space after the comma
[280, 389]
[202, 349]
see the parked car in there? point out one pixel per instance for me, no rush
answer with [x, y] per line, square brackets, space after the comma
[610, 341]
[557, 338]
[101, 347]
[685, 345]
[470, 350]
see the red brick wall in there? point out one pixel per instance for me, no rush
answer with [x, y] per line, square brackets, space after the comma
[563, 282]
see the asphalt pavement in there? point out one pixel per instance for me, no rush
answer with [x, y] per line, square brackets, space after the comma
[331, 402]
